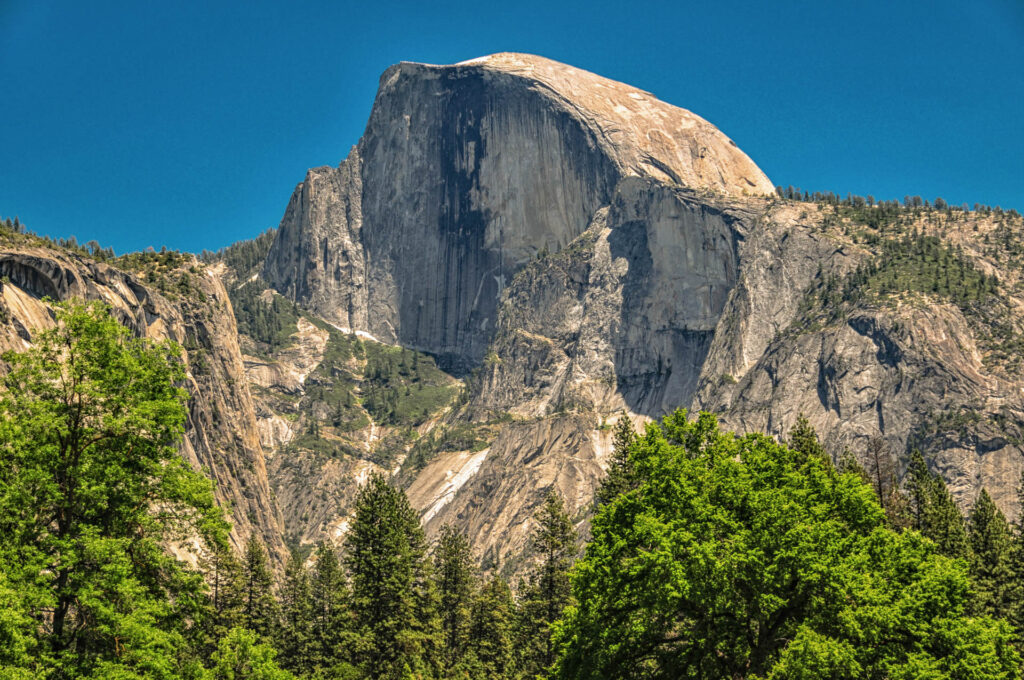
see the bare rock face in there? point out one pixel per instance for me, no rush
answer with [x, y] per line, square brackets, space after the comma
[464, 174]
[221, 435]
[589, 253]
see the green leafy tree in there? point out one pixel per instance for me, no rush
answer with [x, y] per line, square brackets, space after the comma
[92, 489]
[241, 656]
[393, 600]
[738, 557]
[260, 612]
[295, 636]
[547, 591]
[456, 584]
[620, 478]
[493, 630]
[991, 542]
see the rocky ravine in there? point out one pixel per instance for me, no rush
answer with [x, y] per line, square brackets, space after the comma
[221, 435]
[576, 249]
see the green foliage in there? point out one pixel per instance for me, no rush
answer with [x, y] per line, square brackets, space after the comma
[295, 636]
[244, 258]
[740, 557]
[269, 323]
[933, 511]
[260, 611]
[991, 541]
[14, 232]
[393, 598]
[171, 272]
[331, 623]
[621, 475]
[804, 439]
[241, 656]
[91, 491]
[492, 638]
[403, 387]
[914, 263]
[547, 592]
[456, 584]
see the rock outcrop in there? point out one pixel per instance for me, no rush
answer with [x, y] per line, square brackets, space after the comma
[221, 435]
[589, 251]
[464, 174]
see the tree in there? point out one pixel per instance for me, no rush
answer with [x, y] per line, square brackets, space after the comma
[934, 512]
[548, 590]
[393, 600]
[881, 470]
[91, 491]
[330, 615]
[620, 470]
[259, 608]
[295, 637]
[738, 557]
[991, 543]
[456, 583]
[492, 632]
[224, 576]
[804, 439]
[241, 656]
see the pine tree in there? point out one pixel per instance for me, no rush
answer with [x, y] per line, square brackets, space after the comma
[621, 476]
[456, 583]
[330, 614]
[991, 558]
[224, 576]
[393, 600]
[933, 511]
[548, 590]
[295, 635]
[492, 632]
[804, 439]
[259, 608]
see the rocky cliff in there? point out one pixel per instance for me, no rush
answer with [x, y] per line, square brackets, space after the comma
[517, 254]
[160, 296]
[576, 250]
[463, 175]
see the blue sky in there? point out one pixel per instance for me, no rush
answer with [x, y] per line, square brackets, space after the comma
[188, 124]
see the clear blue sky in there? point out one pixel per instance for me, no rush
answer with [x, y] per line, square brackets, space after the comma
[188, 124]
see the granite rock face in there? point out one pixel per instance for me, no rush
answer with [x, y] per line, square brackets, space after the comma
[589, 252]
[221, 435]
[464, 174]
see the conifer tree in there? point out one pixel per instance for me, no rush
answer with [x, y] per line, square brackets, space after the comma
[330, 615]
[1016, 590]
[492, 632]
[259, 608]
[224, 576]
[295, 638]
[991, 558]
[393, 599]
[803, 438]
[548, 590]
[456, 583]
[933, 511]
[620, 476]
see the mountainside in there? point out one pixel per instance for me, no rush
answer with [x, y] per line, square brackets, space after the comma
[160, 295]
[573, 249]
[516, 255]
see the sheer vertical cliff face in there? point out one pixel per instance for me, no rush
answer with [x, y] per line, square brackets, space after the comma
[587, 252]
[464, 174]
[221, 437]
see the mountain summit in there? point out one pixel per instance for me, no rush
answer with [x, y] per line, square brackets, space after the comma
[465, 173]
